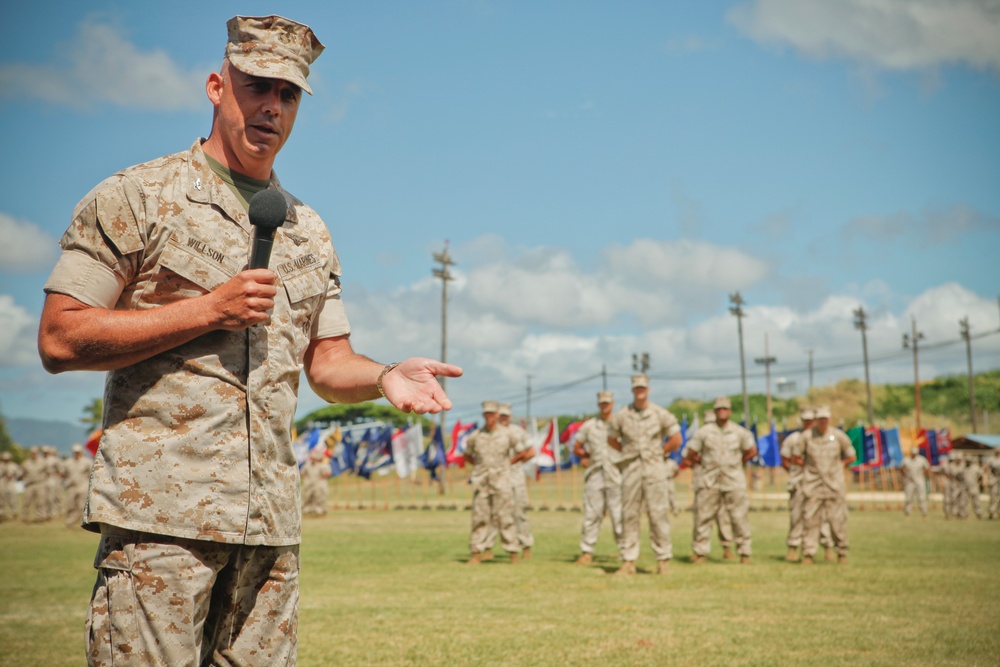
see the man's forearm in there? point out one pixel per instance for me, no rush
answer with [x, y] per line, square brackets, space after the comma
[74, 336]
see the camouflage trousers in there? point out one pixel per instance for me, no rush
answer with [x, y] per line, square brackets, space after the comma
[797, 524]
[8, 501]
[994, 508]
[946, 496]
[915, 492]
[174, 602]
[815, 512]
[642, 482]
[972, 494]
[519, 486]
[710, 504]
[723, 523]
[73, 502]
[314, 495]
[600, 498]
[493, 503]
[33, 503]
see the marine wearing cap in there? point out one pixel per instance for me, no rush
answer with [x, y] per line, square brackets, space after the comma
[490, 406]
[272, 47]
[605, 397]
[640, 380]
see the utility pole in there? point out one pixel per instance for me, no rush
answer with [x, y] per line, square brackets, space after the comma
[911, 340]
[640, 362]
[737, 310]
[604, 376]
[810, 369]
[967, 336]
[767, 360]
[861, 324]
[444, 259]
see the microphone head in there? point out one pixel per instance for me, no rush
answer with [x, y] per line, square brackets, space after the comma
[267, 209]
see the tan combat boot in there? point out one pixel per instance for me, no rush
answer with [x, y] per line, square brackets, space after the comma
[515, 558]
[793, 555]
[842, 558]
[526, 553]
[584, 559]
[474, 559]
[829, 553]
[628, 567]
[697, 560]
[807, 560]
[726, 554]
[487, 554]
[744, 560]
[663, 567]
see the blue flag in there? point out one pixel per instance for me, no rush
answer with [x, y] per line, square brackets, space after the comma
[378, 452]
[433, 455]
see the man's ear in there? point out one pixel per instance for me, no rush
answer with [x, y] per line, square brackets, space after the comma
[213, 88]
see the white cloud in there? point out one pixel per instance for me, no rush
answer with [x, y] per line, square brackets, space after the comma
[889, 34]
[101, 66]
[26, 246]
[18, 332]
[500, 333]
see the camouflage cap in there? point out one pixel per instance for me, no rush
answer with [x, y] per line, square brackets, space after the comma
[823, 412]
[78, 449]
[490, 406]
[5, 456]
[640, 380]
[722, 402]
[272, 47]
[504, 409]
[605, 397]
[807, 414]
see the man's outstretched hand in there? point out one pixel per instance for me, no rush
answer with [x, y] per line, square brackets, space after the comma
[412, 386]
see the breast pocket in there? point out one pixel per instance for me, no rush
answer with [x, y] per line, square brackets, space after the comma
[304, 291]
[185, 271]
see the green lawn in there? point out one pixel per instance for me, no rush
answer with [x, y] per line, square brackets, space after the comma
[390, 588]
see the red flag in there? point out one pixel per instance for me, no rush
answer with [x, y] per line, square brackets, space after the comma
[93, 442]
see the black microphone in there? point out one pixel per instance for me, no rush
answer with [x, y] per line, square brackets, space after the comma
[267, 212]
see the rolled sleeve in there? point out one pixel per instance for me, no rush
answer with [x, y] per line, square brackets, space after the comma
[86, 279]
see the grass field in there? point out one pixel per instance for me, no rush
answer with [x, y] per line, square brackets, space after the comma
[389, 587]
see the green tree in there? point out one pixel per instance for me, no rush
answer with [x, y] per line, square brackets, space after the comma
[358, 412]
[93, 415]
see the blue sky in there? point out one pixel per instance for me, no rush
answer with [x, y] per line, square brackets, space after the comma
[606, 174]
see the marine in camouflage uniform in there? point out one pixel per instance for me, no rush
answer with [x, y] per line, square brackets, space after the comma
[723, 522]
[915, 469]
[826, 450]
[970, 478]
[721, 449]
[638, 431]
[53, 484]
[602, 480]
[519, 482]
[943, 478]
[76, 475]
[993, 465]
[956, 484]
[490, 451]
[315, 489]
[195, 485]
[791, 460]
[10, 474]
[35, 474]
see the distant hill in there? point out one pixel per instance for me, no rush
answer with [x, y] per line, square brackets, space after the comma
[31, 432]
